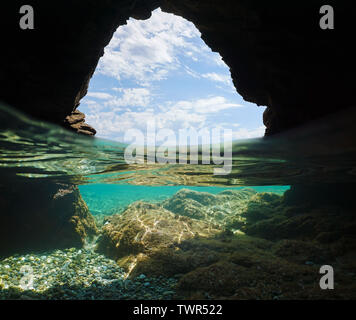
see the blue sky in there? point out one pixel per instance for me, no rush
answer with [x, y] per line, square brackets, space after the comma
[161, 69]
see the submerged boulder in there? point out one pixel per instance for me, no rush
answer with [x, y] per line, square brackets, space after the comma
[314, 224]
[186, 207]
[237, 194]
[262, 206]
[277, 257]
[203, 198]
[224, 208]
[145, 238]
[40, 214]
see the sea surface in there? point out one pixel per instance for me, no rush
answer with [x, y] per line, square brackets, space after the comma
[323, 152]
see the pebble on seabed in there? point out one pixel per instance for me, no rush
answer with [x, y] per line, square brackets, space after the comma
[75, 274]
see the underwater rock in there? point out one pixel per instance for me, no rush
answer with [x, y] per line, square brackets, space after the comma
[301, 251]
[222, 278]
[211, 261]
[253, 268]
[262, 206]
[145, 239]
[247, 269]
[296, 215]
[237, 195]
[168, 239]
[326, 224]
[266, 280]
[203, 198]
[186, 207]
[224, 208]
[37, 214]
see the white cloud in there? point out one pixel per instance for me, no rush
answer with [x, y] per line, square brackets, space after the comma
[126, 97]
[171, 115]
[99, 95]
[130, 97]
[113, 125]
[244, 133]
[192, 73]
[226, 79]
[209, 105]
[218, 60]
[147, 52]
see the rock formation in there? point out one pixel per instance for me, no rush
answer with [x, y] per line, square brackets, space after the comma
[197, 241]
[145, 238]
[39, 214]
[76, 122]
[278, 57]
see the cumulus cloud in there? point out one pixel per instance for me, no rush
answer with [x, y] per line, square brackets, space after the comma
[121, 97]
[218, 77]
[130, 97]
[147, 52]
[244, 133]
[209, 105]
[99, 95]
[173, 115]
[113, 125]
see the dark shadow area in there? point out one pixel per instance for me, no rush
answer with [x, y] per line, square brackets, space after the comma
[40, 214]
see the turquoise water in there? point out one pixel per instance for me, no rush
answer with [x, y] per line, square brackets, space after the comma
[109, 199]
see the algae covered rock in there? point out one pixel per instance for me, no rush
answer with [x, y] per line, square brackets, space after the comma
[262, 206]
[204, 198]
[38, 214]
[168, 238]
[194, 240]
[81, 223]
[255, 274]
[148, 235]
[224, 208]
[155, 239]
[321, 224]
[186, 207]
[301, 252]
[221, 278]
[237, 194]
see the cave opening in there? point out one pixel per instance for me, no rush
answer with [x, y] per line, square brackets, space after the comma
[160, 70]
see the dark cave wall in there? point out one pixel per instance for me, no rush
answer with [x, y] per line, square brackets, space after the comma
[53, 217]
[277, 54]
